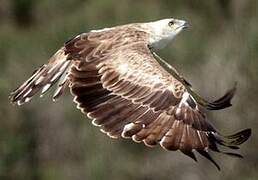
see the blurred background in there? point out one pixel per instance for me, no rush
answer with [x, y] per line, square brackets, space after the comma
[43, 140]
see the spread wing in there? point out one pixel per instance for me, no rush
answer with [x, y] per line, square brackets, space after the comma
[128, 94]
[118, 84]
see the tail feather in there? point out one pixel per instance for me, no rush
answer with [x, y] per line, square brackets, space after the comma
[43, 78]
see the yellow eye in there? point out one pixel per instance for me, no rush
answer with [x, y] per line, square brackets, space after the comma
[171, 23]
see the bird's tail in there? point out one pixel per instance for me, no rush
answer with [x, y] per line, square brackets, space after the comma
[43, 78]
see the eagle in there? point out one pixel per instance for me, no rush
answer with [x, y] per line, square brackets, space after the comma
[121, 84]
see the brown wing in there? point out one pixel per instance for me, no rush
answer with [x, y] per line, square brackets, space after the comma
[117, 82]
[94, 45]
[127, 93]
[56, 70]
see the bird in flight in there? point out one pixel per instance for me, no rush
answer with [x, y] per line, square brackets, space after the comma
[125, 88]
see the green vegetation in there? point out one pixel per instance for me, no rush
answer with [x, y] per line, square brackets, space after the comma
[43, 140]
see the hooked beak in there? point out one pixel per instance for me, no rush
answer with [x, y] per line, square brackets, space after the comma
[185, 25]
[182, 25]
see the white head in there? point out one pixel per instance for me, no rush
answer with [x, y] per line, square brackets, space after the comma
[163, 31]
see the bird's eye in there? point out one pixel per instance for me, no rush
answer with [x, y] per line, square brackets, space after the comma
[171, 23]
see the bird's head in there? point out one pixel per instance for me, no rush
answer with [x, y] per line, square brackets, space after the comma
[163, 31]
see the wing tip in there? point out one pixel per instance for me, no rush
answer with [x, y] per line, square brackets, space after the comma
[42, 79]
[240, 137]
[208, 156]
[224, 101]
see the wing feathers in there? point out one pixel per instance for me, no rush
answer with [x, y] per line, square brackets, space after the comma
[224, 101]
[124, 108]
[118, 84]
[44, 78]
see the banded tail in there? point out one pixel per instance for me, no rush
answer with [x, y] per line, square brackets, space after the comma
[43, 78]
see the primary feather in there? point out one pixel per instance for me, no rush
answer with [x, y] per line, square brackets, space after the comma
[117, 82]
